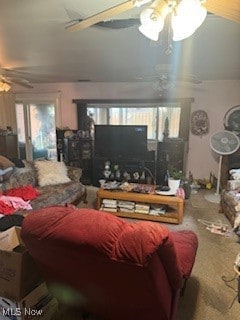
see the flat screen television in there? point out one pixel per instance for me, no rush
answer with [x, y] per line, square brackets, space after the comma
[120, 141]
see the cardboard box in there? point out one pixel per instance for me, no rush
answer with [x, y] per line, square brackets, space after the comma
[18, 272]
[38, 304]
[9, 239]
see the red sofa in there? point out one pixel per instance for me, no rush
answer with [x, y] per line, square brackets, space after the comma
[123, 270]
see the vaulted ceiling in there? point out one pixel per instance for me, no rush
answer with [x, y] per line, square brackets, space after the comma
[34, 45]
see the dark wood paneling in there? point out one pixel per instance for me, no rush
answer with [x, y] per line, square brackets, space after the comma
[170, 154]
[9, 146]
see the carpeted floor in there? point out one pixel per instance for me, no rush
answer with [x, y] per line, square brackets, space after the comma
[207, 296]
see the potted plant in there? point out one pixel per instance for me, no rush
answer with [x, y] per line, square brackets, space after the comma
[175, 177]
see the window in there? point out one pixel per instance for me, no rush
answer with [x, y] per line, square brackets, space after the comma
[36, 124]
[154, 117]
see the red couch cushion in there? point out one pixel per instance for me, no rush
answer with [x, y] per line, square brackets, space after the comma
[186, 244]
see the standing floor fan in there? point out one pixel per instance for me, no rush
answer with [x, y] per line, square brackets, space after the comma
[223, 143]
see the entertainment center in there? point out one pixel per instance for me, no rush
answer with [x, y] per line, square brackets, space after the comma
[120, 152]
[134, 162]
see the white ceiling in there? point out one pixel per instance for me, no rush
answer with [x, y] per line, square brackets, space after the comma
[35, 45]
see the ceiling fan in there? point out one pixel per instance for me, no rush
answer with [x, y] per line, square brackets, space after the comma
[166, 78]
[7, 78]
[165, 82]
[224, 8]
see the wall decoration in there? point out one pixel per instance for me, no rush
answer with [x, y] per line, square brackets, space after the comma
[199, 123]
[231, 119]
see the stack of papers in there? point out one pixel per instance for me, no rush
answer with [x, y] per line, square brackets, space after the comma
[126, 206]
[109, 205]
[142, 208]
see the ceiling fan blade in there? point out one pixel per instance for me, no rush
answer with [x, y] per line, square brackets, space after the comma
[14, 73]
[21, 82]
[224, 8]
[185, 78]
[104, 15]
[76, 17]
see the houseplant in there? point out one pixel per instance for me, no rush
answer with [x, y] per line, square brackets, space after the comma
[175, 174]
[175, 177]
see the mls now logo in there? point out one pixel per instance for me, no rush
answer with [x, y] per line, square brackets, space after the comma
[12, 313]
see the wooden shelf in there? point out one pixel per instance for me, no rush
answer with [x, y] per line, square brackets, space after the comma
[174, 212]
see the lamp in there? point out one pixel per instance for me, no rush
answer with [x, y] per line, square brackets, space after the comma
[187, 16]
[4, 86]
[151, 23]
[152, 20]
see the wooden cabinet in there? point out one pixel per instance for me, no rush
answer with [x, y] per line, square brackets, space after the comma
[170, 154]
[9, 146]
[77, 152]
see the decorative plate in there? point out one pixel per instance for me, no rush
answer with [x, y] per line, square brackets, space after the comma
[231, 119]
[166, 193]
[199, 122]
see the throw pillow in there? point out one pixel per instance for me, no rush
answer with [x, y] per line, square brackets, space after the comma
[6, 168]
[51, 173]
[5, 163]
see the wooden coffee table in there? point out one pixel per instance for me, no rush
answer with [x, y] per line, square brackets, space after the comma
[174, 213]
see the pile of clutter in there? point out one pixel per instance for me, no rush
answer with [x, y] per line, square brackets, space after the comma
[206, 183]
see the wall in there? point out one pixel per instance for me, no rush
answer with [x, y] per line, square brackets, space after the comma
[215, 97]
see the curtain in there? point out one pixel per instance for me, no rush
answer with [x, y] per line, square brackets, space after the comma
[7, 111]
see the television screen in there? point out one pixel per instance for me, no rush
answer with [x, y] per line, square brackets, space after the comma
[120, 140]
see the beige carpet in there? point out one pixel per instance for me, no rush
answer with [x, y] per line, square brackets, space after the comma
[207, 297]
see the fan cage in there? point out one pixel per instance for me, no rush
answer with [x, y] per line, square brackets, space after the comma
[224, 142]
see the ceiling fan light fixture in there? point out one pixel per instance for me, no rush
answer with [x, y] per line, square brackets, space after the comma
[156, 86]
[152, 20]
[4, 87]
[186, 18]
[151, 23]
[150, 33]
[180, 30]
[163, 84]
